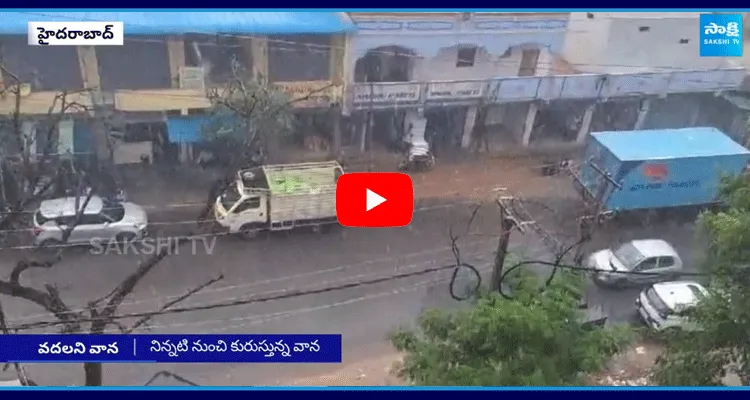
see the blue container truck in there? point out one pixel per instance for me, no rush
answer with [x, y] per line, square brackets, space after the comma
[658, 169]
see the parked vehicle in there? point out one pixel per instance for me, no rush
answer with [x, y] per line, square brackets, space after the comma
[280, 197]
[101, 221]
[656, 259]
[657, 169]
[419, 156]
[661, 305]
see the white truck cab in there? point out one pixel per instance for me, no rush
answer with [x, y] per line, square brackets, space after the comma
[279, 197]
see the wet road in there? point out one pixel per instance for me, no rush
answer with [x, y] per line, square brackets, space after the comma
[306, 261]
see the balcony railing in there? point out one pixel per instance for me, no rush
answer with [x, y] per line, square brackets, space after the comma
[593, 87]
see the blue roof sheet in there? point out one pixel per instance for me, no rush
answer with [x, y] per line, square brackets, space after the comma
[668, 143]
[176, 22]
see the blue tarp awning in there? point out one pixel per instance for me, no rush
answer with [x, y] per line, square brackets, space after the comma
[186, 129]
[179, 22]
[189, 129]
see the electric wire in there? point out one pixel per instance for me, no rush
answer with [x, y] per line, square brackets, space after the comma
[313, 273]
[340, 268]
[300, 293]
[240, 302]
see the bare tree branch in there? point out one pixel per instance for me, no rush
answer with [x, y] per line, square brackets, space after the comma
[254, 105]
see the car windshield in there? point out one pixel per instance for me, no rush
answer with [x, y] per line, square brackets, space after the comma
[230, 197]
[697, 292]
[629, 255]
[656, 301]
[40, 219]
[113, 211]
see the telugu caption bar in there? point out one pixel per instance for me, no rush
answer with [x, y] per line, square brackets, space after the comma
[189, 348]
[76, 33]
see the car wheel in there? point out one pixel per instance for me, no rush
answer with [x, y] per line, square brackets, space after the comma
[249, 232]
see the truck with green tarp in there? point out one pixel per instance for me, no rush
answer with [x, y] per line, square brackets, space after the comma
[280, 197]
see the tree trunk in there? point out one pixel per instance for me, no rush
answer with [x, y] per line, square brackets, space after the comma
[93, 374]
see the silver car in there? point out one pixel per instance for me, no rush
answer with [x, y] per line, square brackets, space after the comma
[651, 260]
[101, 221]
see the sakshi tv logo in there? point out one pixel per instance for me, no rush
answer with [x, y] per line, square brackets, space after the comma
[720, 35]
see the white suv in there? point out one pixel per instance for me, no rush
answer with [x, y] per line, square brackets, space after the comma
[660, 305]
[101, 221]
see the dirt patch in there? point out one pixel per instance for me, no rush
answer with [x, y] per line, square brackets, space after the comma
[630, 368]
[374, 371]
[487, 178]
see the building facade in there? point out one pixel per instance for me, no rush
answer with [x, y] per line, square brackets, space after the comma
[633, 42]
[533, 76]
[156, 83]
[593, 72]
[455, 52]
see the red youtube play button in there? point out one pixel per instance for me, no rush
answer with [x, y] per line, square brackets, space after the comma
[374, 200]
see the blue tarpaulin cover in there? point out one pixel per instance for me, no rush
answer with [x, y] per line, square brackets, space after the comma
[186, 129]
[663, 144]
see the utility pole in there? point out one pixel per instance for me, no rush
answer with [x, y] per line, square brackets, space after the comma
[507, 224]
[588, 223]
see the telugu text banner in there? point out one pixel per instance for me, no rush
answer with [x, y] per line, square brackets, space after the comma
[171, 348]
[77, 33]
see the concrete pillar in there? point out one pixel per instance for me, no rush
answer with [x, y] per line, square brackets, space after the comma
[185, 150]
[28, 129]
[528, 125]
[365, 127]
[335, 114]
[471, 119]
[642, 114]
[259, 52]
[89, 67]
[176, 54]
[585, 128]
[696, 113]
[336, 69]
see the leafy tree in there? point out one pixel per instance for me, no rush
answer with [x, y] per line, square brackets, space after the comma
[721, 345]
[249, 117]
[538, 338]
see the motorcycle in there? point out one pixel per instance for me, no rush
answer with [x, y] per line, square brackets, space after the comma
[419, 157]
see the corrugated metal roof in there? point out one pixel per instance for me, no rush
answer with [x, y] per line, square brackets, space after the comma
[668, 143]
[176, 22]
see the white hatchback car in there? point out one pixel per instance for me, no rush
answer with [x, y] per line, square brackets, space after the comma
[650, 260]
[661, 304]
